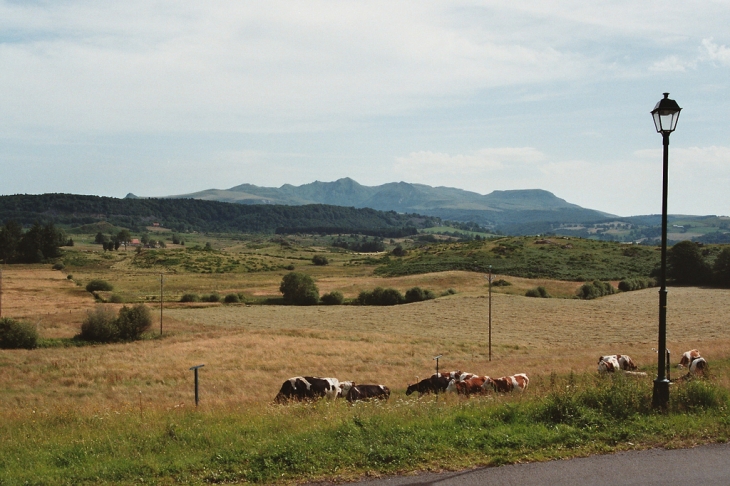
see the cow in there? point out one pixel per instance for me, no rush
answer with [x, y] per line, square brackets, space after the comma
[688, 357]
[367, 392]
[624, 362]
[608, 364]
[435, 384]
[698, 367]
[345, 388]
[450, 375]
[469, 386]
[302, 388]
[506, 384]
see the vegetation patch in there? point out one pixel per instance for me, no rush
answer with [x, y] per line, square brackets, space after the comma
[16, 334]
[103, 326]
[595, 289]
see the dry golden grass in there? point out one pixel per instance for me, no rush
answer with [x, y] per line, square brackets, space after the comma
[249, 350]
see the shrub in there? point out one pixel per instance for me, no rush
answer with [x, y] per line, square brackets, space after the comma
[69, 276]
[399, 251]
[133, 321]
[381, 296]
[416, 294]
[637, 283]
[17, 334]
[232, 299]
[320, 260]
[190, 298]
[595, 289]
[299, 289]
[58, 266]
[501, 283]
[116, 299]
[214, 297]
[538, 292]
[99, 285]
[290, 267]
[333, 298]
[100, 326]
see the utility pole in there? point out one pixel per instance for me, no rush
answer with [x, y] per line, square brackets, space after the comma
[490, 312]
[1, 292]
[162, 279]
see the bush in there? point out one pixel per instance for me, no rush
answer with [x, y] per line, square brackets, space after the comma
[501, 283]
[417, 294]
[99, 286]
[100, 326]
[132, 322]
[232, 299]
[638, 283]
[320, 260]
[290, 267]
[116, 299]
[69, 276]
[333, 298]
[214, 297]
[538, 292]
[399, 251]
[381, 296]
[190, 298]
[58, 266]
[17, 334]
[594, 290]
[299, 289]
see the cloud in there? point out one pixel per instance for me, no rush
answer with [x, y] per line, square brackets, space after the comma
[672, 64]
[489, 160]
[716, 52]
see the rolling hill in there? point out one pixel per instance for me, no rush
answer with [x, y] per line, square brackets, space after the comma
[504, 210]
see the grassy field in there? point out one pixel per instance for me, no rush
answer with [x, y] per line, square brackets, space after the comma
[111, 413]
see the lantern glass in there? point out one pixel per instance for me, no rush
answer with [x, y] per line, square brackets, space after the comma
[666, 115]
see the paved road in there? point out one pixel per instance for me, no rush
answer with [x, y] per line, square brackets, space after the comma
[705, 465]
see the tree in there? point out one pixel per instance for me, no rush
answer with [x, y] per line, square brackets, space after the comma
[721, 269]
[299, 289]
[10, 235]
[685, 264]
[124, 237]
[320, 260]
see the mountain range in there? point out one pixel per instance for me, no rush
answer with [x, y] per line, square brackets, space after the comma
[498, 209]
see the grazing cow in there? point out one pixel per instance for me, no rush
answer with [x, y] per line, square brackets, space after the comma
[688, 357]
[435, 384]
[367, 392]
[302, 388]
[469, 386]
[450, 375]
[624, 362]
[698, 367]
[506, 384]
[608, 364]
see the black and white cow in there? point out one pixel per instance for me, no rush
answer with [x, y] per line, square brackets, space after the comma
[302, 388]
[367, 392]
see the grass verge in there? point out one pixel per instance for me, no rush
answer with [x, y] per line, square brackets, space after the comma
[577, 415]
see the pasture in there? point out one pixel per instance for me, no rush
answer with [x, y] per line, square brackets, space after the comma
[248, 350]
[122, 413]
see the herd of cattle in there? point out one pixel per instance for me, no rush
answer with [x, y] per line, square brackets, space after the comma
[696, 364]
[301, 388]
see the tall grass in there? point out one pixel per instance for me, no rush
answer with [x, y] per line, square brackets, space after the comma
[576, 415]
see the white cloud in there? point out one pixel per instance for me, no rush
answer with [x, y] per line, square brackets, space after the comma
[485, 161]
[671, 63]
[716, 52]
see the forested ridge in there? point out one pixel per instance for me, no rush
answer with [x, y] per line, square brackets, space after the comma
[186, 215]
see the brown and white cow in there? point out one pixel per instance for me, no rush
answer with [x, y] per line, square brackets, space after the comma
[367, 392]
[608, 364]
[506, 384]
[624, 362]
[688, 357]
[301, 388]
[467, 387]
[698, 367]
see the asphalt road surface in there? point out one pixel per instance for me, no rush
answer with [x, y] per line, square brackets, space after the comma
[704, 465]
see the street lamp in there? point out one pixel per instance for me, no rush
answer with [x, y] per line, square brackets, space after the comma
[665, 114]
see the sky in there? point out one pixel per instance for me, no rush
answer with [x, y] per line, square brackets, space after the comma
[160, 98]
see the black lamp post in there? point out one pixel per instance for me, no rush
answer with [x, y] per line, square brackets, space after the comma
[666, 114]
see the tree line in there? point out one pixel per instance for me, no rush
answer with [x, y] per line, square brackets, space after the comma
[188, 215]
[38, 244]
